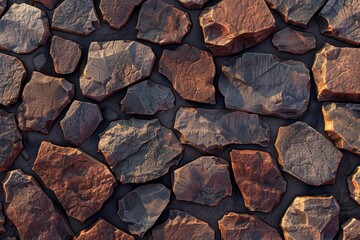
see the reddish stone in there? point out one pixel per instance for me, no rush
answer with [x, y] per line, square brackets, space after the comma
[354, 185]
[48, 3]
[292, 41]
[350, 230]
[193, 4]
[2, 220]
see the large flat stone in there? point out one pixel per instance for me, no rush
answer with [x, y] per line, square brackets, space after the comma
[354, 185]
[293, 41]
[350, 230]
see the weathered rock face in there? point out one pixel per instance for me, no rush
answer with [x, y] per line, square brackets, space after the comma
[147, 98]
[231, 26]
[141, 207]
[211, 130]
[191, 71]
[114, 65]
[292, 41]
[182, 226]
[48, 3]
[80, 182]
[2, 220]
[336, 73]
[3, 4]
[350, 230]
[171, 27]
[306, 154]
[354, 185]
[205, 180]
[262, 83]
[139, 150]
[31, 210]
[310, 217]
[23, 29]
[259, 179]
[193, 4]
[37, 113]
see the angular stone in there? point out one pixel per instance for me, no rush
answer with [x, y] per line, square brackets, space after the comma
[141, 207]
[193, 4]
[80, 182]
[80, 122]
[23, 29]
[261, 83]
[38, 112]
[336, 73]
[39, 62]
[147, 98]
[31, 210]
[65, 55]
[211, 130]
[231, 26]
[259, 179]
[205, 180]
[191, 71]
[76, 16]
[114, 65]
[162, 23]
[354, 185]
[50, 4]
[350, 230]
[139, 150]
[182, 226]
[3, 4]
[292, 41]
[2, 220]
[311, 217]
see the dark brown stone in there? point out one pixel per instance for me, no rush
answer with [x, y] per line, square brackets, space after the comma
[193, 4]
[3, 4]
[50, 4]
[350, 230]
[354, 185]
[2, 220]
[292, 41]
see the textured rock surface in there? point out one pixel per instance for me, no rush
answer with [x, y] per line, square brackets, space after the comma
[205, 180]
[230, 26]
[306, 154]
[350, 230]
[259, 179]
[354, 185]
[48, 3]
[114, 65]
[2, 220]
[191, 71]
[193, 4]
[262, 83]
[292, 41]
[141, 207]
[3, 4]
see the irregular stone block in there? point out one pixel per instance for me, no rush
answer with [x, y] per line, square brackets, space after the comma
[193, 4]
[2, 220]
[350, 230]
[354, 185]
[292, 41]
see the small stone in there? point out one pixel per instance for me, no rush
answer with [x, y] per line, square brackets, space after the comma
[2, 220]
[205, 180]
[141, 207]
[50, 4]
[147, 98]
[350, 230]
[162, 23]
[191, 71]
[193, 4]
[231, 26]
[259, 179]
[3, 4]
[261, 83]
[39, 62]
[25, 154]
[292, 41]
[37, 113]
[354, 185]
[114, 65]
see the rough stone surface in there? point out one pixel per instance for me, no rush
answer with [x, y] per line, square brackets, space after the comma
[336, 73]
[193, 4]
[354, 185]
[48, 3]
[2, 220]
[205, 180]
[171, 27]
[141, 207]
[23, 28]
[262, 83]
[39, 62]
[350, 230]
[311, 217]
[259, 179]
[191, 71]
[231, 26]
[31, 210]
[292, 41]
[147, 98]
[139, 150]
[306, 154]
[3, 4]
[114, 65]
[37, 113]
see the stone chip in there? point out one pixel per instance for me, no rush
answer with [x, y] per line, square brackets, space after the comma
[293, 41]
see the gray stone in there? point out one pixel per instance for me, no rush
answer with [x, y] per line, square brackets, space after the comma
[39, 62]
[292, 41]
[3, 4]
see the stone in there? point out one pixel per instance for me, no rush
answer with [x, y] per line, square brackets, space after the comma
[147, 98]
[37, 113]
[342, 124]
[80, 182]
[191, 71]
[50, 4]
[354, 185]
[211, 130]
[3, 4]
[182, 226]
[193, 4]
[31, 210]
[311, 217]
[80, 122]
[244, 226]
[139, 150]
[76, 16]
[65, 55]
[259, 179]
[141, 207]
[350, 230]
[170, 28]
[293, 41]
[205, 180]
[12, 74]
[2, 220]
[39, 62]
[306, 154]
[114, 65]
[23, 29]
[336, 73]
[231, 26]
[264, 84]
